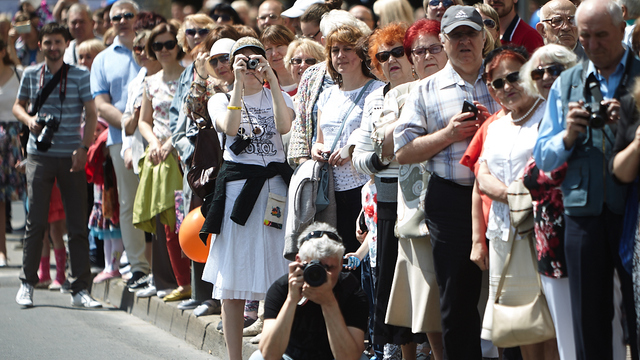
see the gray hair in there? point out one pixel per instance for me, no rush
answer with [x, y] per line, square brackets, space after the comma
[120, 3]
[319, 248]
[336, 18]
[612, 8]
[633, 7]
[552, 53]
[78, 7]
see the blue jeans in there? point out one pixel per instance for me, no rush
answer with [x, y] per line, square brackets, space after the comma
[368, 282]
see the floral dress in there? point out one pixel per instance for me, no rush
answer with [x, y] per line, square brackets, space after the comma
[548, 211]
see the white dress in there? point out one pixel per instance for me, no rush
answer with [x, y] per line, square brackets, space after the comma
[245, 260]
[506, 150]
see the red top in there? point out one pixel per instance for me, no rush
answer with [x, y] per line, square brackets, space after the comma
[519, 33]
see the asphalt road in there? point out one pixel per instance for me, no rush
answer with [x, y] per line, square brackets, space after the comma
[53, 329]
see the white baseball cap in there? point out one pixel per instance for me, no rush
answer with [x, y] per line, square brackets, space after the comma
[222, 46]
[299, 7]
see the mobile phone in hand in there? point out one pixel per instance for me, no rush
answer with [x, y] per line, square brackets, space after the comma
[467, 106]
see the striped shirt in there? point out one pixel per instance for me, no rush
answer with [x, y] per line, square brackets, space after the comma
[68, 137]
[430, 107]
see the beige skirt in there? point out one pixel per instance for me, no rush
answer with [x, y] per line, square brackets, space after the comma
[415, 299]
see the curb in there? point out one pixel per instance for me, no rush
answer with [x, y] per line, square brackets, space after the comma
[198, 331]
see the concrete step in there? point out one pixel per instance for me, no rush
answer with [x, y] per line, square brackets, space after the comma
[199, 331]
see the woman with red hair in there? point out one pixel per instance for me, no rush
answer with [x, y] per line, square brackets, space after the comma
[423, 47]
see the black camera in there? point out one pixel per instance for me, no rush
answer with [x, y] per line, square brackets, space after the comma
[597, 119]
[325, 156]
[252, 64]
[49, 126]
[314, 273]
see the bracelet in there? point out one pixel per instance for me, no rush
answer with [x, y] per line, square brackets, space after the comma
[197, 73]
[234, 108]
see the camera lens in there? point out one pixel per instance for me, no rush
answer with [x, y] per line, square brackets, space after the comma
[315, 274]
[252, 64]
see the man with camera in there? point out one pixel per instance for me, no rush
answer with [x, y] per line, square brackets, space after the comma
[316, 311]
[579, 128]
[51, 102]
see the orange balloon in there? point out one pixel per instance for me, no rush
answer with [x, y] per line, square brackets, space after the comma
[189, 237]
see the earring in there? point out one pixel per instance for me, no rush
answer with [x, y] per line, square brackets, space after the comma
[413, 72]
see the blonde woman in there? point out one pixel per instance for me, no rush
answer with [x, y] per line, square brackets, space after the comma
[389, 11]
[193, 31]
[301, 54]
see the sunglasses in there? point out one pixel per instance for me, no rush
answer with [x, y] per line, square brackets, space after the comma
[553, 70]
[138, 49]
[201, 32]
[214, 60]
[397, 53]
[433, 49]
[489, 23]
[296, 61]
[311, 36]
[223, 17]
[512, 78]
[318, 234]
[169, 45]
[127, 16]
[445, 3]
[270, 16]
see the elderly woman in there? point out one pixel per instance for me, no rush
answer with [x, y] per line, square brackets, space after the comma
[153, 124]
[424, 48]
[245, 256]
[313, 82]
[342, 106]
[507, 148]
[538, 74]
[302, 54]
[276, 40]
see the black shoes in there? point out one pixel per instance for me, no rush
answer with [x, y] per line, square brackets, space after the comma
[138, 280]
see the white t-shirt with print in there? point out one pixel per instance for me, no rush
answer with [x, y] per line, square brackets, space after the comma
[334, 104]
[266, 142]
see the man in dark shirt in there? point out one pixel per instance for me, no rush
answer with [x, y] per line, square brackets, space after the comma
[514, 31]
[315, 322]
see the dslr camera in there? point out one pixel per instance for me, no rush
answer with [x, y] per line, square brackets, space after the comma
[252, 64]
[314, 273]
[49, 126]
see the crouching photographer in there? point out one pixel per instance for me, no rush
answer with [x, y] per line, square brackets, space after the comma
[325, 321]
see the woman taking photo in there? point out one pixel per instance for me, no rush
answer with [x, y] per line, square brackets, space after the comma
[507, 148]
[159, 90]
[245, 257]
[343, 103]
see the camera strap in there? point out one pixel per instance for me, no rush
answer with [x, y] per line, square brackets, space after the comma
[45, 90]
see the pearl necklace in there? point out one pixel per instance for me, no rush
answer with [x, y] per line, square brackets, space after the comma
[535, 105]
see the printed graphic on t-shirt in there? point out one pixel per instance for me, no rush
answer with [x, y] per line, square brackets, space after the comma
[260, 127]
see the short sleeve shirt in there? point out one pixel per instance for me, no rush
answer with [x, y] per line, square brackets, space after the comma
[266, 142]
[161, 95]
[78, 91]
[334, 104]
[308, 339]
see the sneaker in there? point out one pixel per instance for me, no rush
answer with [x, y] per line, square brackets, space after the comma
[55, 286]
[138, 280]
[83, 299]
[106, 275]
[25, 295]
[162, 293]
[189, 304]
[66, 287]
[254, 329]
[149, 291]
[209, 307]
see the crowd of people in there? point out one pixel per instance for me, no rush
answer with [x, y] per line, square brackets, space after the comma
[383, 176]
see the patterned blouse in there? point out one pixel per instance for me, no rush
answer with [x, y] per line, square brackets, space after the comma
[161, 95]
[548, 212]
[195, 104]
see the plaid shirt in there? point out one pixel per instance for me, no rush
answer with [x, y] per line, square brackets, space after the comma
[430, 107]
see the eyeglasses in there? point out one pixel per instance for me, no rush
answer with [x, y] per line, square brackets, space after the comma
[223, 17]
[445, 3]
[214, 60]
[557, 21]
[512, 78]
[270, 16]
[397, 53]
[553, 70]
[138, 49]
[459, 35]
[297, 61]
[489, 23]
[311, 36]
[127, 16]
[433, 49]
[318, 234]
[192, 32]
[169, 45]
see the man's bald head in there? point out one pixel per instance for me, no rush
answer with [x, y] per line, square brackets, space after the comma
[269, 14]
[557, 23]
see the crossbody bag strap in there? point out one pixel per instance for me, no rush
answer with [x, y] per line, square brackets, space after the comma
[44, 93]
[344, 120]
[512, 237]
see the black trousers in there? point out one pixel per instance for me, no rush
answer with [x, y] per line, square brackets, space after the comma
[591, 249]
[348, 208]
[448, 214]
